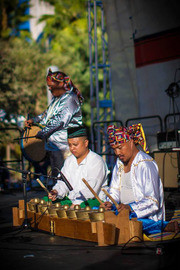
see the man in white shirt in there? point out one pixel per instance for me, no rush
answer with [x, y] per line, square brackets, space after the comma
[135, 182]
[83, 163]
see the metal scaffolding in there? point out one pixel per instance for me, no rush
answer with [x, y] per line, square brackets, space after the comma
[100, 77]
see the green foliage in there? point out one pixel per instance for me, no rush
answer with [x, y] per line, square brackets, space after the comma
[12, 13]
[22, 77]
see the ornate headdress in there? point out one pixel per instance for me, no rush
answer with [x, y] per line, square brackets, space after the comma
[124, 134]
[59, 76]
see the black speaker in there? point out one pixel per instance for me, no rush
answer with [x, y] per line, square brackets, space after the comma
[167, 140]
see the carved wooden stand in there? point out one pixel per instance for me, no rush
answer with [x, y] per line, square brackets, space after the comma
[114, 230]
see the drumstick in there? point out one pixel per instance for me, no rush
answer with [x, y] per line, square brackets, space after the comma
[24, 138]
[111, 198]
[42, 185]
[93, 192]
[27, 129]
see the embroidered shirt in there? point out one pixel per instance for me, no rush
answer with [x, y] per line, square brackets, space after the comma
[146, 185]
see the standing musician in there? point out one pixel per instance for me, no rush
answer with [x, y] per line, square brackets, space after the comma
[83, 163]
[135, 183]
[64, 111]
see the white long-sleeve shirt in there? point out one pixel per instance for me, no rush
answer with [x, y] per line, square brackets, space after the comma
[93, 169]
[146, 185]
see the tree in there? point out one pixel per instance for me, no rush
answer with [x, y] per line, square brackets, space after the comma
[12, 14]
[22, 77]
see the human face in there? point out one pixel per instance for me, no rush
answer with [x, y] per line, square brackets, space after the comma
[56, 88]
[78, 147]
[125, 151]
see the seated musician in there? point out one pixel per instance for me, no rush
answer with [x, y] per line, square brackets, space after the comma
[135, 183]
[83, 163]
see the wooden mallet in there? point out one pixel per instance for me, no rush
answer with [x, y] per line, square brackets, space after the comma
[93, 192]
[110, 197]
[42, 185]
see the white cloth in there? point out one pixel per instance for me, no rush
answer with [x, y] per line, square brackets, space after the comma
[146, 184]
[127, 195]
[93, 169]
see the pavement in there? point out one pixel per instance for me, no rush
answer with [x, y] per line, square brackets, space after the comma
[24, 248]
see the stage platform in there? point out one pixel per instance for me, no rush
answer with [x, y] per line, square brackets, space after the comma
[23, 248]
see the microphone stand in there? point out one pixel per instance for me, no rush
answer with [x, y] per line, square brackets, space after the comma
[24, 173]
[26, 223]
[24, 181]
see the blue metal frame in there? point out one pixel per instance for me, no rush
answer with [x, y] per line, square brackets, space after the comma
[100, 98]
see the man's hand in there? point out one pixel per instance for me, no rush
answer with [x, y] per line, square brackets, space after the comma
[39, 135]
[106, 205]
[28, 123]
[122, 206]
[53, 194]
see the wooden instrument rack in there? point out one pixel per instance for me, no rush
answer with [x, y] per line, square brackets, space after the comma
[114, 230]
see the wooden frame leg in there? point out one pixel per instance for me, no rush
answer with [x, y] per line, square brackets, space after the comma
[100, 233]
